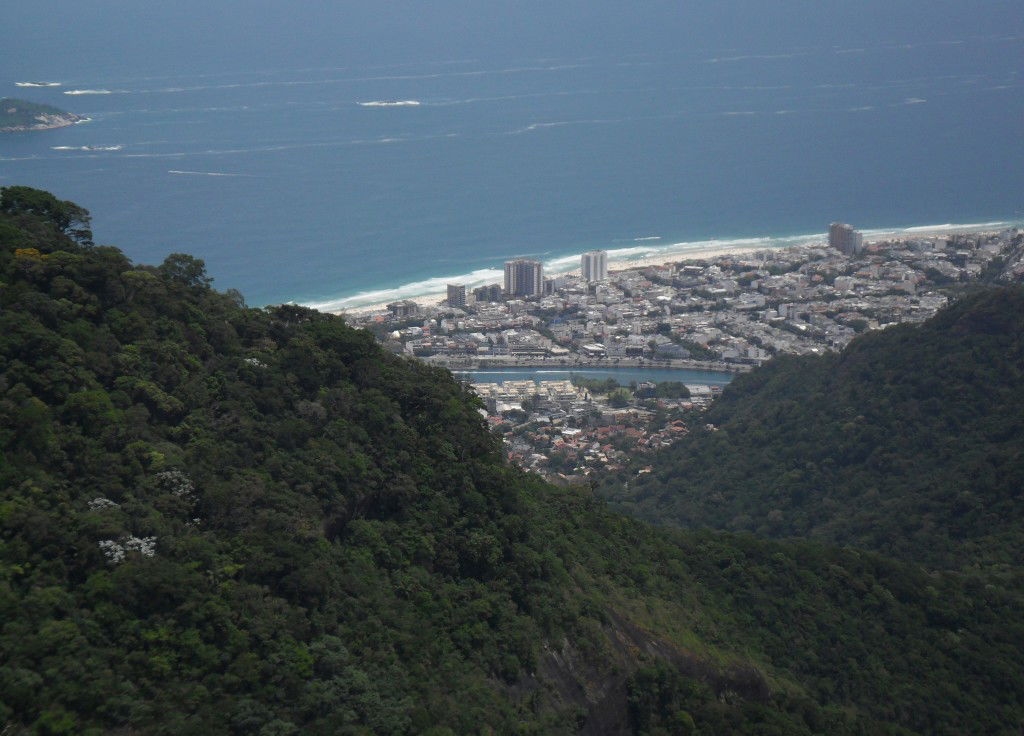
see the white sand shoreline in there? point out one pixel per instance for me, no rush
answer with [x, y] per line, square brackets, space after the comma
[703, 250]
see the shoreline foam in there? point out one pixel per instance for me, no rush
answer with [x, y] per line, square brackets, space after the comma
[428, 292]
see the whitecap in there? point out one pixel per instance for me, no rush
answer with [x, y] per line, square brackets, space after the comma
[204, 173]
[390, 103]
[87, 148]
[88, 92]
[914, 101]
[37, 84]
[746, 57]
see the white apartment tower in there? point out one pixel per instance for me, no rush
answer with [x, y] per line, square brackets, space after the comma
[594, 265]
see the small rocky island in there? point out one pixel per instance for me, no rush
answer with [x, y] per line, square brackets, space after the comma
[20, 115]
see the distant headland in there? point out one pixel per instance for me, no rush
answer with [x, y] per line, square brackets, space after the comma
[21, 115]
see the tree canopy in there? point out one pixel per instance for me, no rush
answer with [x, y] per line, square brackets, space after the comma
[224, 520]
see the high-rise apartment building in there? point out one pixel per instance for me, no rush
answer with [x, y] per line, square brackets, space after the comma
[594, 265]
[456, 295]
[845, 239]
[524, 277]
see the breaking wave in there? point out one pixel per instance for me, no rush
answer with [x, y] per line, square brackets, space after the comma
[88, 92]
[37, 84]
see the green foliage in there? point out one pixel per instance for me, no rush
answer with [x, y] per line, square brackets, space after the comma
[665, 390]
[619, 397]
[15, 113]
[67, 217]
[222, 520]
[910, 442]
[594, 385]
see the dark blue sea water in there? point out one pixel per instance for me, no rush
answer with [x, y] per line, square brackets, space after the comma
[243, 133]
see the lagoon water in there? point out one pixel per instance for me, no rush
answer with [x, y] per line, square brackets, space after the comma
[623, 375]
[341, 156]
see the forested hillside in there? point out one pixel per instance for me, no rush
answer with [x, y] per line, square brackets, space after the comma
[910, 442]
[223, 520]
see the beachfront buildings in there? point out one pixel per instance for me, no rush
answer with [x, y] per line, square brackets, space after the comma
[594, 265]
[456, 295]
[524, 277]
[724, 312]
[404, 308]
[845, 239]
[488, 293]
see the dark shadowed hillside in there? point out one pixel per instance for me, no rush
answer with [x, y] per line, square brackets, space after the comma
[909, 442]
[224, 520]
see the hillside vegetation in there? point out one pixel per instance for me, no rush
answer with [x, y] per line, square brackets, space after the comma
[909, 442]
[223, 520]
[24, 115]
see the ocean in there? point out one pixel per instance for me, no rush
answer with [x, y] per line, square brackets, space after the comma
[341, 157]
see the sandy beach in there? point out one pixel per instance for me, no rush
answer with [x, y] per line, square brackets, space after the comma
[661, 255]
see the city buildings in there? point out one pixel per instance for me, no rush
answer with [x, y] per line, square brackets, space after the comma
[594, 265]
[726, 312]
[404, 308]
[845, 239]
[524, 277]
[456, 295]
[488, 293]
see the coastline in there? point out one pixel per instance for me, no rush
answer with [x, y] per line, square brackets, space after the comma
[46, 122]
[642, 255]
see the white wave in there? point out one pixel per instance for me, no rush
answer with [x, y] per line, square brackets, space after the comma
[647, 237]
[390, 103]
[863, 108]
[80, 121]
[37, 84]
[953, 226]
[204, 173]
[415, 289]
[88, 92]
[86, 148]
[914, 101]
[746, 57]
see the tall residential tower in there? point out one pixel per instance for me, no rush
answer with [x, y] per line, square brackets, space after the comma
[456, 295]
[524, 277]
[594, 265]
[845, 239]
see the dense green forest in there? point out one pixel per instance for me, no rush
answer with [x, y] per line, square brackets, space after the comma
[909, 442]
[223, 520]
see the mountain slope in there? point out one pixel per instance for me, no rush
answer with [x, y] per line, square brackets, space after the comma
[909, 442]
[216, 519]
